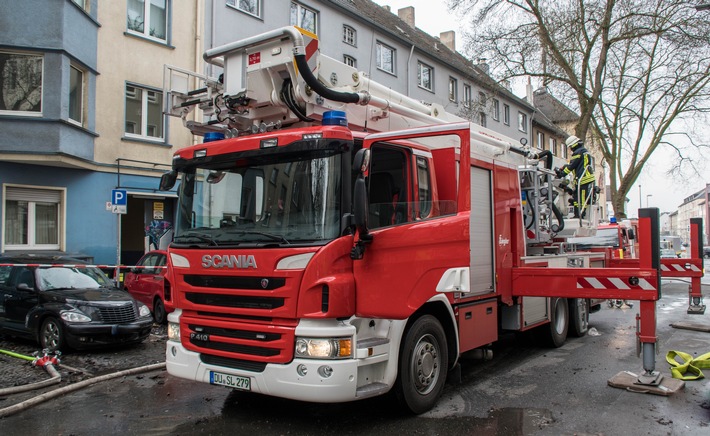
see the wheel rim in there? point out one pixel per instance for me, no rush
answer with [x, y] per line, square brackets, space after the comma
[50, 335]
[425, 364]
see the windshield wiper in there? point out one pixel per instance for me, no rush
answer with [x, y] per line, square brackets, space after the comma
[201, 236]
[273, 236]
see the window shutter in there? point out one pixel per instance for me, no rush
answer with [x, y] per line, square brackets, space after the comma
[36, 195]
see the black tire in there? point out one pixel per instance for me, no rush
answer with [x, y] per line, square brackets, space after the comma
[579, 317]
[554, 334]
[159, 313]
[51, 335]
[423, 365]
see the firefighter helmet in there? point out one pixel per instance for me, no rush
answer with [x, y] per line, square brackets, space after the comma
[573, 142]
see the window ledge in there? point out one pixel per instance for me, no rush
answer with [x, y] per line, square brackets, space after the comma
[154, 41]
[158, 142]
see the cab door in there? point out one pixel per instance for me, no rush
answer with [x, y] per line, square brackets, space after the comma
[409, 254]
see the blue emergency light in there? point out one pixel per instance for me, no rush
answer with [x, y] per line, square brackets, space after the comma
[335, 118]
[213, 136]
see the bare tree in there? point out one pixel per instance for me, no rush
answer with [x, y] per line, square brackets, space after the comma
[636, 70]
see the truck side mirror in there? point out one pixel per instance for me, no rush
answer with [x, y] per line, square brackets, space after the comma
[167, 180]
[630, 233]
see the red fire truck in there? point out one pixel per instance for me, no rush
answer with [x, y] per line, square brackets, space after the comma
[336, 240]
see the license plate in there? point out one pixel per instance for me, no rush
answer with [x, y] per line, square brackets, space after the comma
[232, 381]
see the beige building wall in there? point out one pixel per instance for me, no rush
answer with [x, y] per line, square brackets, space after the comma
[123, 58]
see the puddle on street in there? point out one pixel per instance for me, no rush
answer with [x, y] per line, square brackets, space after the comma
[256, 414]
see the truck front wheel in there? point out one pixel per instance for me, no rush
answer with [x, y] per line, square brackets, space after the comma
[423, 365]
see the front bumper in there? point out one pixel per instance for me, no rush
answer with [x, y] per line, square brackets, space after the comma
[276, 379]
[87, 335]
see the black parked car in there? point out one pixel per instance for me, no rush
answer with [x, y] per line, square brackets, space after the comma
[68, 306]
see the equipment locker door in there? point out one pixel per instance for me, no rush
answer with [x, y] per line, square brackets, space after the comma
[481, 229]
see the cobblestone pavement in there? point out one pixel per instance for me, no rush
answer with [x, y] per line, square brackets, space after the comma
[75, 366]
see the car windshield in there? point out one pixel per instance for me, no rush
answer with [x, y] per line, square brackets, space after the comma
[280, 202]
[71, 278]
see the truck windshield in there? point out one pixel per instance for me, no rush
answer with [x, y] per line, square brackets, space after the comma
[603, 238]
[283, 202]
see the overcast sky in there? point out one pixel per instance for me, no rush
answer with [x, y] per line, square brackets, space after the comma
[433, 17]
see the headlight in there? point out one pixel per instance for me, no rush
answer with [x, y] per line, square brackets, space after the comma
[143, 310]
[71, 316]
[324, 348]
[174, 331]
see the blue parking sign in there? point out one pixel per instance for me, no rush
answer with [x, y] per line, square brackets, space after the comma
[119, 197]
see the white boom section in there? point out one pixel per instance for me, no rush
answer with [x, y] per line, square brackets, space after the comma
[261, 89]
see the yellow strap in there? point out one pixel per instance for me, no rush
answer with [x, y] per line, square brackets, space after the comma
[688, 364]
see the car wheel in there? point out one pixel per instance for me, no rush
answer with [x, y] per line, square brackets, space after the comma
[51, 335]
[423, 365]
[159, 314]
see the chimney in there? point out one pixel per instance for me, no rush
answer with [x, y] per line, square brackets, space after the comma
[529, 91]
[448, 39]
[407, 15]
[483, 65]
[387, 8]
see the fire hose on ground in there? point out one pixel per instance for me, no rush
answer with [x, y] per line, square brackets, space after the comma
[48, 363]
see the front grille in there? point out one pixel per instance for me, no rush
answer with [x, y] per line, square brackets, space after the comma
[246, 365]
[239, 301]
[231, 282]
[236, 334]
[235, 348]
[118, 314]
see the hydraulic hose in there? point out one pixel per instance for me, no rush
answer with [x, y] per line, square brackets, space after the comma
[7, 411]
[322, 90]
[560, 218]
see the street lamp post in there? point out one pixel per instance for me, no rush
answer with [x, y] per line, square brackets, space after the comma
[648, 195]
[640, 202]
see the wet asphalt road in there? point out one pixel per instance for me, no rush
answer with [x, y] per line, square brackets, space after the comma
[523, 390]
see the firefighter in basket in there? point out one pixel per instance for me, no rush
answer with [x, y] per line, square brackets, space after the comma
[581, 169]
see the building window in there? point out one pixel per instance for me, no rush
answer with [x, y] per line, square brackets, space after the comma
[467, 95]
[482, 119]
[80, 3]
[425, 76]
[506, 114]
[385, 57]
[76, 95]
[453, 89]
[523, 122]
[21, 82]
[148, 18]
[304, 17]
[553, 146]
[32, 218]
[496, 109]
[251, 7]
[540, 140]
[349, 35]
[350, 61]
[144, 115]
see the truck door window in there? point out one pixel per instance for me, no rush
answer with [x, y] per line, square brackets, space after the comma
[389, 182]
[424, 185]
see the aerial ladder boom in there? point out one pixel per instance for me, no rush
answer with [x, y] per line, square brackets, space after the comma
[280, 79]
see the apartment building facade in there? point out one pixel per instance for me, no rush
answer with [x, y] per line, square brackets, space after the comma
[81, 113]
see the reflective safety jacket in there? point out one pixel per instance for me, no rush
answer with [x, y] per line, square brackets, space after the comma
[580, 166]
